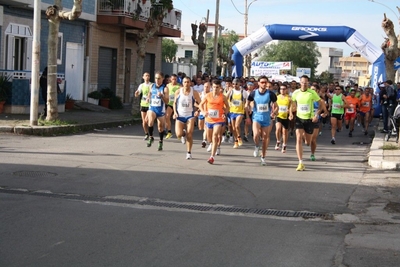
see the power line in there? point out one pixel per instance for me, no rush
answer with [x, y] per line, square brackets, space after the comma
[236, 8]
[190, 9]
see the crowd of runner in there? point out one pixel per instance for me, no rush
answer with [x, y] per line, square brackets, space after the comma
[221, 108]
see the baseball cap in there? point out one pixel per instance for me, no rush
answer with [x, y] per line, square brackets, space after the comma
[235, 80]
[382, 85]
[250, 83]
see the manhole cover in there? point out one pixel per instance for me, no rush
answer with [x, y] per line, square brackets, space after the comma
[34, 174]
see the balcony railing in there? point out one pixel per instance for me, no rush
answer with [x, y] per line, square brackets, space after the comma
[139, 10]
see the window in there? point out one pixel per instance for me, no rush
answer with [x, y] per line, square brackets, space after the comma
[188, 53]
[18, 47]
[209, 35]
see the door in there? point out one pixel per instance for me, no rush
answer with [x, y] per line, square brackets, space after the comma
[149, 65]
[127, 89]
[107, 68]
[74, 70]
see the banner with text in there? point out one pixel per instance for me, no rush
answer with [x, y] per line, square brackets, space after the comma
[269, 69]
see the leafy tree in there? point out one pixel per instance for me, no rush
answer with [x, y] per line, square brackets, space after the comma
[158, 11]
[225, 43]
[324, 77]
[54, 15]
[303, 54]
[169, 49]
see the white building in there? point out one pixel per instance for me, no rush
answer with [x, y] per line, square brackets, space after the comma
[329, 59]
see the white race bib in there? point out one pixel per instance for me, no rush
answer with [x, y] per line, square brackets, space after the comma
[262, 108]
[336, 106]
[283, 109]
[236, 103]
[171, 98]
[303, 108]
[350, 110]
[213, 113]
[156, 102]
[366, 104]
[185, 104]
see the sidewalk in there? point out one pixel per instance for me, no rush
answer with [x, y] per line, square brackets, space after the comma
[88, 117]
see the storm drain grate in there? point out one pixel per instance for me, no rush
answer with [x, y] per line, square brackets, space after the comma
[34, 174]
[173, 205]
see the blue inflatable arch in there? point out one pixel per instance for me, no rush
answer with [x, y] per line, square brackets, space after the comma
[311, 33]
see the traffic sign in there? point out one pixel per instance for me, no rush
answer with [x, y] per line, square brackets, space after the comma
[397, 63]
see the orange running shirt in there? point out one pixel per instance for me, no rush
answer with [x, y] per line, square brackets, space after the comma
[215, 108]
[365, 103]
[352, 101]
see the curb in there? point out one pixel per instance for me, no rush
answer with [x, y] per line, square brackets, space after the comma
[63, 129]
[375, 159]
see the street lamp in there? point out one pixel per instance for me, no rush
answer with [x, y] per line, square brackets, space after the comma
[246, 15]
[373, 1]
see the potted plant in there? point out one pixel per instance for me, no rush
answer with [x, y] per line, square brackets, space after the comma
[69, 102]
[5, 86]
[106, 94]
[93, 97]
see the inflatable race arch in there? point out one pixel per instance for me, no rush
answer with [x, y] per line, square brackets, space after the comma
[316, 34]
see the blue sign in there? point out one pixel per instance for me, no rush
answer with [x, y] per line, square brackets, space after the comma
[397, 64]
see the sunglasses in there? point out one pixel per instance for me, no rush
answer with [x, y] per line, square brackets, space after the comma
[262, 82]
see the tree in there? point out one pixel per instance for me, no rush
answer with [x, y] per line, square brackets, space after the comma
[225, 43]
[324, 77]
[390, 47]
[54, 15]
[169, 49]
[158, 11]
[199, 42]
[302, 54]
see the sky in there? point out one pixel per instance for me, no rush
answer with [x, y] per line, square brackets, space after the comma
[365, 16]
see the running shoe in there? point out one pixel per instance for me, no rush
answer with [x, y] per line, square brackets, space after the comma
[277, 146]
[146, 137]
[218, 151]
[188, 155]
[240, 142]
[312, 157]
[211, 160]
[365, 132]
[333, 141]
[183, 138]
[168, 136]
[300, 167]
[256, 151]
[225, 139]
[320, 133]
[283, 149]
[245, 139]
[203, 144]
[150, 141]
[230, 139]
[263, 163]
[209, 147]
[350, 134]
[160, 146]
[236, 145]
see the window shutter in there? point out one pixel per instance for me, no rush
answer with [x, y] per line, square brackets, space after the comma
[10, 52]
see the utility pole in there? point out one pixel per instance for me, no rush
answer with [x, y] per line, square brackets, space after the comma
[35, 64]
[205, 37]
[216, 28]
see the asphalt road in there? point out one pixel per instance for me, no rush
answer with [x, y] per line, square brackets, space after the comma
[105, 199]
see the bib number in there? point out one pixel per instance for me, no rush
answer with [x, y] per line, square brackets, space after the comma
[262, 108]
[303, 108]
[156, 102]
[213, 113]
[336, 106]
[283, 109]
[236, 103]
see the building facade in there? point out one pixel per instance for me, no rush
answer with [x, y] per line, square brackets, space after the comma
[329, 61]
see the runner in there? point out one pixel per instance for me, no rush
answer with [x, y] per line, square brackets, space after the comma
[144, 90]
[303, 101]
[282, 120]
[215, 106]
[250, 88]
[236, 98]
[293, 87]
[206, 90]
[184, 113]
[337, 103]
[352, 106]
[158, 97]
[317, 125]
[264, 100]
[365, 108]
[173, 86]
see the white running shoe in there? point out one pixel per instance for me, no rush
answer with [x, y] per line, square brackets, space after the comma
[225, 139]
[263, 163]
[209, 147]
[188, 156]
[256, 151]
[218, 151]
[231, 139]
[183, 138]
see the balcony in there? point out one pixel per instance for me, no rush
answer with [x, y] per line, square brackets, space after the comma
[133, 14]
